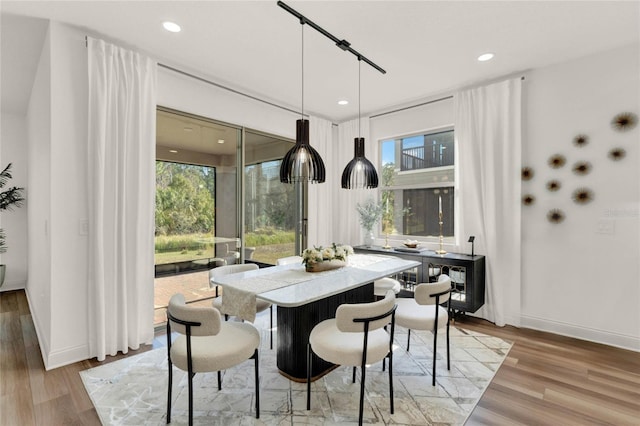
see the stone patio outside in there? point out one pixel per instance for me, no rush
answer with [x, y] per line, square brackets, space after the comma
[194, 286]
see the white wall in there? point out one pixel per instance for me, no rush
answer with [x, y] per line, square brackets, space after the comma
[13, 149]
[186, 94]
[38, 197]
[69, 130]
[575, 280]
[57, 128]
[434, 114]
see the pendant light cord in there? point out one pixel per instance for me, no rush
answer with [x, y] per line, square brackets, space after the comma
[302, 60]
[359, 94]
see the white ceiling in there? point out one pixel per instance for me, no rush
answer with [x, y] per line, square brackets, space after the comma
[427, 47]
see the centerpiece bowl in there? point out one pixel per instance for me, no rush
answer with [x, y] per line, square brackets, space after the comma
[410, 243]
[318, 259]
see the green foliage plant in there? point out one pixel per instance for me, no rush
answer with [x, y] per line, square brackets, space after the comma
[370, 213]
[185, 201]
[9, 198]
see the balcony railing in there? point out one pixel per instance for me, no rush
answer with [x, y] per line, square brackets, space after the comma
[413, 158]
[423, 158]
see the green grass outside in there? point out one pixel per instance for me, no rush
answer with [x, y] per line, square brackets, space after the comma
[270, 253]
[270, 245]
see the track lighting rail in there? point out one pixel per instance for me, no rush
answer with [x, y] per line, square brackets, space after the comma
[342, 44]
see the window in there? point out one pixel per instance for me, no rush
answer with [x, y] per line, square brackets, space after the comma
[197, 205]
[418, 184]
[185, 215]
[270, 212]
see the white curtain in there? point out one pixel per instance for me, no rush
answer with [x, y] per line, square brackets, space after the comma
[320, 196]
[488, 134]
[332, 210]
[121, 160]
[347, 228]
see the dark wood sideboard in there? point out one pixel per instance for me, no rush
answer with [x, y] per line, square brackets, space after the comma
[467, 273]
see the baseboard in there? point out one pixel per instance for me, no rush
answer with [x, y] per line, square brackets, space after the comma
[584, 333]
[56, 359]
[66, 356]
[43, 343]
[13, 285]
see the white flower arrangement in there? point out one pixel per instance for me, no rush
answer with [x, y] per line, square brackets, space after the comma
[314, 255]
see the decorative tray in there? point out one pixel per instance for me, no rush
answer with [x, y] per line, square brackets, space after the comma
[409, 250]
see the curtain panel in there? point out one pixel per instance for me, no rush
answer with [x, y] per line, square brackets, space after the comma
[348, 229]
[332, 215]
[121, 160]
[320, 217]
[488, 137]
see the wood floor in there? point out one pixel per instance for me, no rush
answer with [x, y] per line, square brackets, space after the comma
[545, 380]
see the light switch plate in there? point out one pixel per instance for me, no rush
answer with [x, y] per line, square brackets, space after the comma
[83, 228]
[606, 226]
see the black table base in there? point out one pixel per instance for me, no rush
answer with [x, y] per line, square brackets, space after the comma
[295, 325]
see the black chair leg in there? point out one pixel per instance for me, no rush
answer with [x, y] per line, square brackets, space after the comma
[408, 338]
[308, 376]
[391, 381]
[169, 393]
[448, 358]
[255, 355]
[219, 380]
[435, 340]
[271, 326]
[384, 360]
[353, 380]
[190, 398]
[364, 367]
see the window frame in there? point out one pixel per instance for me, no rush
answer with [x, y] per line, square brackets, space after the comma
[398, 238]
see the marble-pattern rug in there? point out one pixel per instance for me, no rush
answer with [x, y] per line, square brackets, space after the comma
[133, 391]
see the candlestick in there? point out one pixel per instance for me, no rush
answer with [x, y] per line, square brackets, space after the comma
[386, 241]
[441, 250]
[440, 204]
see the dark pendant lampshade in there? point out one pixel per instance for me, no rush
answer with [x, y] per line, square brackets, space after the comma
[302, 162]
[359, 172]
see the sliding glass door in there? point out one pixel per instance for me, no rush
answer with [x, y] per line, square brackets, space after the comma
[197, 225]
[273, 211]
[219, 201]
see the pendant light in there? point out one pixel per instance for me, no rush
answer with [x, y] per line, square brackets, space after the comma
[302, 162]
[359, 172]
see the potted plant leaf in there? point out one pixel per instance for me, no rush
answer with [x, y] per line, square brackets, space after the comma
[370, 213]
[9, 198]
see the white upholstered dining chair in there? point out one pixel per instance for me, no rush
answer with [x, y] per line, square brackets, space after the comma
[381, 286]
[424, 312]
[207, 344]
[261, 305]
[357, 336]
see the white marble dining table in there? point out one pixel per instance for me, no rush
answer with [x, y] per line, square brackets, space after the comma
[304, 299]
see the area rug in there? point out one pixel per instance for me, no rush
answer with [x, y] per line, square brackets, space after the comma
[133, 391]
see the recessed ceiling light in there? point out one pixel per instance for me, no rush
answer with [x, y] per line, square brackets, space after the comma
[220, 140]
[171, 26]
[485, 57]
[343, 102]
[173, 151]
